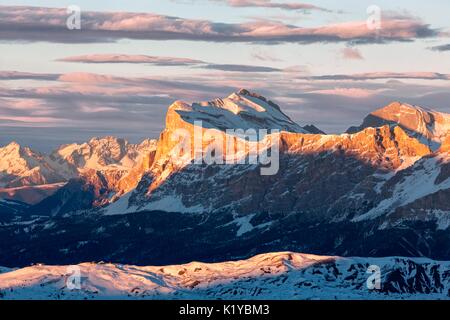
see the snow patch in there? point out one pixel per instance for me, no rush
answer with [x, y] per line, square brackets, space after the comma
[420, 183]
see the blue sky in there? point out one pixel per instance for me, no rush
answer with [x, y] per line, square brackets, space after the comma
[74, 100]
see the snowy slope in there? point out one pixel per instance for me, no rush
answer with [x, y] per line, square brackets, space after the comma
[413, 184]
[282, 275]
[241, 110]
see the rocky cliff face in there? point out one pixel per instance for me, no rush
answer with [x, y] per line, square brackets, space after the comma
[418, 193]
[316, 172]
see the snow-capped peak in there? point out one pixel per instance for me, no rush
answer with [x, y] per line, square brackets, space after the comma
[21, 166]
[12, 146]
[115, 158]
[427, 125]
[102, 153]
[240, 110]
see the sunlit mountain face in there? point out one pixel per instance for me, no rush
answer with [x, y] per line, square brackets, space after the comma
[224, 150]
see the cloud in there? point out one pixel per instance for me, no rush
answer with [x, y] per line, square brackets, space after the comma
[158, 61]
[97, 100]
[385, 75]
[351, 54]
[240, 68]
[17, 75]
[126, 58]
[49, 24]
[85, 77]
[272, 4]
[349, 92]
[444, 47]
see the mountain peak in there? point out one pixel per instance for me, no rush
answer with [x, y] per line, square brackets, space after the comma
[313, 129]
[13, 145]
[14, 148]
[240, 110]
[243, 92]
[427, 125]
[107, 139]
[398, 109]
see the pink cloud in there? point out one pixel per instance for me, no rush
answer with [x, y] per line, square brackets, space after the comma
[272, 4]
[351, 54]
[49, 24]
[18, 75]
[24, 104]
[32, 119]
[348, 92]
[84, 77]
[127, 58]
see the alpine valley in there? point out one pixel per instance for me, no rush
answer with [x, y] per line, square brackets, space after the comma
[380, 190]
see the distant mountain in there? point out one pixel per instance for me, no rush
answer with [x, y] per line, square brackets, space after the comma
[21, 166]
[283, 275]
[29, 176]
[102, 154]
[313, 129]
[428, 126]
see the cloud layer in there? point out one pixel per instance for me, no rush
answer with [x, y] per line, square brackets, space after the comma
[166, 61]
[272, 4]
[385, 75]
[17, 75]
[126, 58]
[49, 24]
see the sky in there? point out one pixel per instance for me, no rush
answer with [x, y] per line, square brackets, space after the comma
[328, 63]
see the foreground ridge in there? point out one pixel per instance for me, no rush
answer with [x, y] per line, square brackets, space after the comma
[279, 275]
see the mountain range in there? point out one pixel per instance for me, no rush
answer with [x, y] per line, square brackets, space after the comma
[24, 173]
[380, 189]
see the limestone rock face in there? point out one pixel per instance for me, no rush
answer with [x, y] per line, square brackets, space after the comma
[315, 172]
[445, 147]
[326, 177]
[190, 129]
